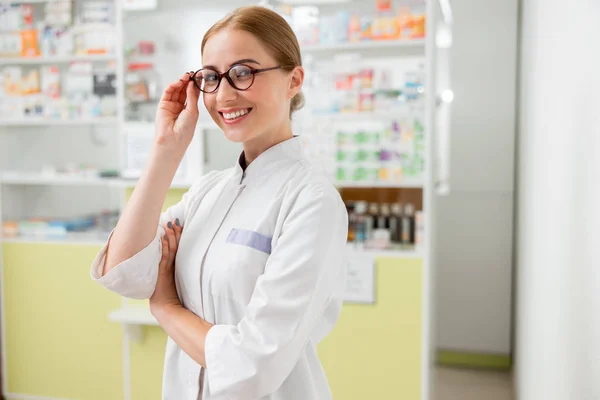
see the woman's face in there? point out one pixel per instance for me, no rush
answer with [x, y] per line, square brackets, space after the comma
[261, 110]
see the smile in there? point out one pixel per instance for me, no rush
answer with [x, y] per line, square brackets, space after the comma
[235, 115]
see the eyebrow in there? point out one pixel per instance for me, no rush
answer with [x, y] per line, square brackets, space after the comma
[242, 61]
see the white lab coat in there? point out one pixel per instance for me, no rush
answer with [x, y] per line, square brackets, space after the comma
[262, 256]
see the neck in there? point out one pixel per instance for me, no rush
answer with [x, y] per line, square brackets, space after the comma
[255, 147]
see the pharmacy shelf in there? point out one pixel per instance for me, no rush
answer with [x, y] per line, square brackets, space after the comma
[407, 184]
[25, 178]
[59, 122]
[74, 238]
[56, 59]
[133, 319]
[418, 44]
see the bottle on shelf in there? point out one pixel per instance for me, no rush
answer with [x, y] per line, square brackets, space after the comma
[385, 216]
[351, 222]
[384, 226]
[396, 223]
[372, 219]
[360, 224]
[419, 228]
[382, 234]
[408, 225]
[380, 220]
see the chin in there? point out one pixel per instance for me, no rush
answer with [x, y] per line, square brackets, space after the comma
[236, 135]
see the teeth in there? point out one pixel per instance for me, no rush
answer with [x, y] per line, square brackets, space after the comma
[236, 114]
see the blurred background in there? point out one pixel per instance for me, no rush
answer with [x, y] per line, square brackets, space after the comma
[462, 135]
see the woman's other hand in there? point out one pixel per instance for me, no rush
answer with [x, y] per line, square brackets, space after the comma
[165, 293]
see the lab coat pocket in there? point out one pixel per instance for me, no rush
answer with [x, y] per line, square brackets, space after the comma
[247, 254]
[250, 239]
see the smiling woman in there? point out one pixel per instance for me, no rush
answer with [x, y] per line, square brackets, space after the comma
[260, 56]
[237, 273]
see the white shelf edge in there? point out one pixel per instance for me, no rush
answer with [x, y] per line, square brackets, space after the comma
[365, 45]
[40, 180]
[58, 122]
[56, 59]
[54, 241]
[399, 111]
[130, 183]
[34, 179]
[391, 253]
[417, 184]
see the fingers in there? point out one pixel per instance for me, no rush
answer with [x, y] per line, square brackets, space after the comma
[171, 242]
[173, 91]
[164, 259]
[177, 228]
[181, 94]
[184, 96]
[192, 98]
[169, 91]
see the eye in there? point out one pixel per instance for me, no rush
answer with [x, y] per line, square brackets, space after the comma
[210, 77]
[240, 71]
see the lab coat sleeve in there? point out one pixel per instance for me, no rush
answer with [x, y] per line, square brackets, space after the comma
[288, 306]
[136, 277]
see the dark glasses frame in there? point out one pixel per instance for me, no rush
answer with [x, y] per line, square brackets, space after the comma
[225, 75]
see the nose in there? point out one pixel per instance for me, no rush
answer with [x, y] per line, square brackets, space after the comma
[226, 92]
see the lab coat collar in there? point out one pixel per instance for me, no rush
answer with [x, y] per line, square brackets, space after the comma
[268, 161]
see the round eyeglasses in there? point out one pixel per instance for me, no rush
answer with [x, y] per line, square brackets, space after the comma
[239, 76]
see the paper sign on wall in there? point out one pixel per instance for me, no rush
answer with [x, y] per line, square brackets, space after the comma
[360, 279]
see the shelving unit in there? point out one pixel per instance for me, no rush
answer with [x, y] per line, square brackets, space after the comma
[99, 131]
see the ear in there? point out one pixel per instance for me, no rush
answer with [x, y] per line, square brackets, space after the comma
[295, 81]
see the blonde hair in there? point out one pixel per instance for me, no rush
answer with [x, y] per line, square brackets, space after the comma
[274, 33]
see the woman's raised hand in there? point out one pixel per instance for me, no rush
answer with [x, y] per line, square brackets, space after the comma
[177, 114]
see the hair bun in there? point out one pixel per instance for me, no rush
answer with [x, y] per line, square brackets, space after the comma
[297, 102]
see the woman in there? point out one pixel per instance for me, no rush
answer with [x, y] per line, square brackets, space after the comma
[254, 284]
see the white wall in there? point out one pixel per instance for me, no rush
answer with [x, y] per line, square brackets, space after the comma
[558, 300]
[474, 225]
